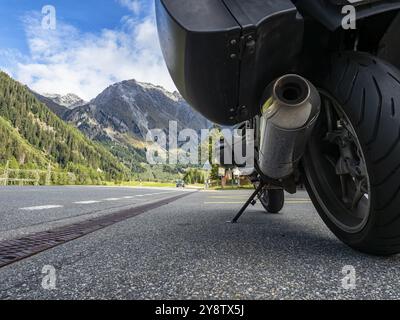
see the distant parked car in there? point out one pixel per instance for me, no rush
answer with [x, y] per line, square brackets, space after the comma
[180, 184]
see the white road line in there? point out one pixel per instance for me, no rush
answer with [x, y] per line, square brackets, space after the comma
[47, 207]
[87, 202]
[41, 208]
[153, 194]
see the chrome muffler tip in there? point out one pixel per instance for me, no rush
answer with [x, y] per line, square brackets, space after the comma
[291, 90]
[288, 117]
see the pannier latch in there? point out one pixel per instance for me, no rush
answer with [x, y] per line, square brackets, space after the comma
[247, 45]
[250, 45]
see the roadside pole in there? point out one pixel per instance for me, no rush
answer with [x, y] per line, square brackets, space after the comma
[6, 173]
[48, 175]
[222, 174]
[37, 177]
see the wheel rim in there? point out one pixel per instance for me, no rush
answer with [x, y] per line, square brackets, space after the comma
[264, 198]
[336, 169]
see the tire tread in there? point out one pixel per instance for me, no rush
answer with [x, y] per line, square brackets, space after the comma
[369, 91]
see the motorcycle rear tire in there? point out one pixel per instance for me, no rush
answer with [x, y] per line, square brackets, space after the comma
[368, 92]
[273, 200]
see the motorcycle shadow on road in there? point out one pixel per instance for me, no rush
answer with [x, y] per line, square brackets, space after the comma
[300, 235]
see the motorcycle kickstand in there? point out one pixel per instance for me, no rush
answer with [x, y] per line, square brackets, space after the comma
[249, 202]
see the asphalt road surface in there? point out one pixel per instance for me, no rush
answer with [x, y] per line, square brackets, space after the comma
[184, 250]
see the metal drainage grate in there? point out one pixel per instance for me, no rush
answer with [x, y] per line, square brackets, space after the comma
[14, 250]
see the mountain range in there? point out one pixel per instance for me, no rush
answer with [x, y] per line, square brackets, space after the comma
[127, 108]
[119, 118]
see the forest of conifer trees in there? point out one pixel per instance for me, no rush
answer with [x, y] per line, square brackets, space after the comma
[32, 137]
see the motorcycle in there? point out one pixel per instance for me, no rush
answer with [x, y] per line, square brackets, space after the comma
[322, 96]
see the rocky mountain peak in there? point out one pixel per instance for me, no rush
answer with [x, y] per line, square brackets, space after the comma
[70, 100]
[134, 108]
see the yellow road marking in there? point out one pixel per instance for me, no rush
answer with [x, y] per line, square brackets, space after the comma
[224, 202]
[242, 202]
[226, 197]
[300, 201]
[246, 197]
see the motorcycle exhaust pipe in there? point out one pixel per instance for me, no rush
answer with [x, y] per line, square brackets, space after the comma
[288, 118]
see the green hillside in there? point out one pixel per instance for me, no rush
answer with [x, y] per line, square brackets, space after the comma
[14, 147]
[32, 136]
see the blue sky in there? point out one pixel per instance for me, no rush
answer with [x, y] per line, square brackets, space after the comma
[96, 43]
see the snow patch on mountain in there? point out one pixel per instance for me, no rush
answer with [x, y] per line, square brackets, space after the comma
[70, 100]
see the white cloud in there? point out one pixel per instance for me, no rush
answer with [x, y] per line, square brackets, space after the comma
[133, 5]
[67, 60]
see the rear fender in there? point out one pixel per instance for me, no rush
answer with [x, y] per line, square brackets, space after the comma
[389, 47]
[329, 12]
